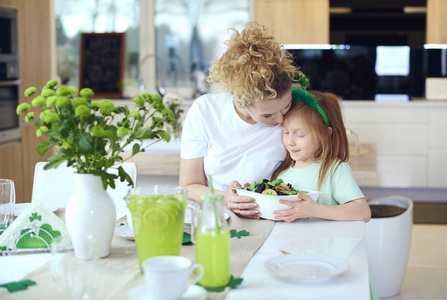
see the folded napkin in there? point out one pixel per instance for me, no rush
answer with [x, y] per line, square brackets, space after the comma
[36, 227]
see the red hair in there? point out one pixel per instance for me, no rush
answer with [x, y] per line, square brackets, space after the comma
[333, 146]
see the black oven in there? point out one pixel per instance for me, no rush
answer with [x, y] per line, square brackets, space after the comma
[9, 120]
[9, 76]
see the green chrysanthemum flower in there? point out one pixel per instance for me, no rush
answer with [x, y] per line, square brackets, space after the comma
[86, 93]
[50, 117]
[30, 91]
[29, 117]
[157, 98]
[52, 83]
[135, 114]
[43, 113]
[138, 101]
[98, 131]
[66, 145]
[122, 131]
[23, 107]
[51, 101]
[95, 104]
[106, 107]
[39, 133]
[47, 92]
[72, 89]
[38, 101]
[168, 115]
[62, 101]
[44, 129]
[79, 101]
[63, 91]
[157, 122]
[147, 96]
[82, 111]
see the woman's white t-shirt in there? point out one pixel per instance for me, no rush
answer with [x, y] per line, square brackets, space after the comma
[232, 149]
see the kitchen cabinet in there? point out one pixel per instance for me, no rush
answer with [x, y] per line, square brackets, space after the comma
[11, 166]
[37, 65]
[437, 146]
[436, 22]
[411, 141]
[294, 21]
[308, 21]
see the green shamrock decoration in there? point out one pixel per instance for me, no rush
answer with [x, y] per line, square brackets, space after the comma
[235, 233]
[35, 216]
[231, 284]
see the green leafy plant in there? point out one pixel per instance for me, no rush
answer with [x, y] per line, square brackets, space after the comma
[173, 103]
[91, 135]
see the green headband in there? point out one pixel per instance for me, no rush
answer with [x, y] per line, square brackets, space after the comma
[301, 95]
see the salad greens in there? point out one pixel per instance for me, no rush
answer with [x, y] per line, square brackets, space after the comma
[275, 187]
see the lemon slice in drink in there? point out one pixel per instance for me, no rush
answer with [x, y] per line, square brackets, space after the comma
[156, 218]
[172, 212]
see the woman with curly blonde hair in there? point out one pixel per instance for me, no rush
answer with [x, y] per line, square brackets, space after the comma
[236, 134]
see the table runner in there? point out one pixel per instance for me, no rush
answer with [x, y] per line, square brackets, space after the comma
[119, 272]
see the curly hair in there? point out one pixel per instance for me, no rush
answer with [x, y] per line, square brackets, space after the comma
[254, 67]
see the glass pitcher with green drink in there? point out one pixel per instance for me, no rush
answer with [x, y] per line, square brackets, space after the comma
[212, 241]
[158, 214]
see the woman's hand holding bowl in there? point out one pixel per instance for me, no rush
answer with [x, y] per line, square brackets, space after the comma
[240, 205]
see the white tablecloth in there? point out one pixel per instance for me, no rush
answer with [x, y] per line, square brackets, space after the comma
[345, 240]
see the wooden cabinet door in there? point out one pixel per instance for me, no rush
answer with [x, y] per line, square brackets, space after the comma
[294, 21]
[11, 165]
[436, 22]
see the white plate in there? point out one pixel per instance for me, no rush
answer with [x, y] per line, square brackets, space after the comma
[125, 232]
[194, 292]
[306, 267]
[20, 207]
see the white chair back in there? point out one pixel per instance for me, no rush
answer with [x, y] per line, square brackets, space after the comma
[54, 187]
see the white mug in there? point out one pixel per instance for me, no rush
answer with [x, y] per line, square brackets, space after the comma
[169, 277]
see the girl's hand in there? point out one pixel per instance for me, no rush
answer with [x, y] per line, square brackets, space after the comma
[243, 206]
[299, 209]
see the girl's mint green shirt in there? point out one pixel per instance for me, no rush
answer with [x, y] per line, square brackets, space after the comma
[337, 189]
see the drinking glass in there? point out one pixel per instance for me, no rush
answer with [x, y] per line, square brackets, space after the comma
[75, 278]
[7, 202]
[158, 214]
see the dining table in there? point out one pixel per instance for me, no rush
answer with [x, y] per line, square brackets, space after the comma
[119, 273]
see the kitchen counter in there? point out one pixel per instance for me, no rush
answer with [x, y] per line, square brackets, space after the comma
[164, 159]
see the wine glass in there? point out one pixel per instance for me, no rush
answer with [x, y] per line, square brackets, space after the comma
[75, 278]
[7, 202]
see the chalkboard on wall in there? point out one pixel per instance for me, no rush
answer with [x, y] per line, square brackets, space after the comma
[102, 63]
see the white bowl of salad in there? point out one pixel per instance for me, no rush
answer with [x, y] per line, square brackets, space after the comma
[268, 193]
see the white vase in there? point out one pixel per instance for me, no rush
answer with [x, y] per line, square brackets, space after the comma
[90, 217]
